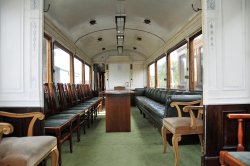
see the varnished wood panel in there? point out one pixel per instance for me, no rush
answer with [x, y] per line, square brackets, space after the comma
[118, 113]
[21, 125]
[221, 132]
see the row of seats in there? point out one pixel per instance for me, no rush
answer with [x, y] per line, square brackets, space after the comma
[68, 107]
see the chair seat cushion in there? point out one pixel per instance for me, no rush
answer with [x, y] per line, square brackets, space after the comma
[243, 157]
[25, 151]
[181, 125]
[62, 116]
[72, 111]
[55, 122]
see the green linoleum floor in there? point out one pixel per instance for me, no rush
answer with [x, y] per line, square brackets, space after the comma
[140, 147]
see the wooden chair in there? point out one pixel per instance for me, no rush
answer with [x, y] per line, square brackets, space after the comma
[179, 126]
[26, 151]
[238, 158]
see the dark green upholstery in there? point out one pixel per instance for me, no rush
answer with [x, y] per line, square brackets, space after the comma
[155, 103]
[55, 122]
[61, 116]
[244, 157]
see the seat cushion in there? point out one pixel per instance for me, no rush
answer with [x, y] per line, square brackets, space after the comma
[181, 125]
[156, 108]
[55, 122]
[25, 151]
[243, 157]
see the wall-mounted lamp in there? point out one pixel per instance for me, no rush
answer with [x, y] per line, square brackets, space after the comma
[120, 49]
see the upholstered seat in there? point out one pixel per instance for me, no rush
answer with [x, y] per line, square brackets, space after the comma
[182, 125]
[179, 126]
[25, 151]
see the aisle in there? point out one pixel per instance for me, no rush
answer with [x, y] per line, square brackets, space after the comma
[141, 147]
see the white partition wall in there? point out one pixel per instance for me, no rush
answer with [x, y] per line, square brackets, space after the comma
[226, 28]
[20, 53]
[125, 74]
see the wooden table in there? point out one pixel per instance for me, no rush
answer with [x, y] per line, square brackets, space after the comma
[117, 110]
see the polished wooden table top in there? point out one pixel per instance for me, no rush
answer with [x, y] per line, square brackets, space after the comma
[115, 92]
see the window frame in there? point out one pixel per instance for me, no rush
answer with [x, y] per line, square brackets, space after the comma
[178, 45]
[71, 70]
[77, 57]
[149, 74]
[156, 70]
[90, 74]
[191, 60]
[49, 58]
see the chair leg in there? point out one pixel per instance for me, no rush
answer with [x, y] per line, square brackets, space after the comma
[54, 156]
[70, 143]
[164, 138]
[176, 138]
[201, 142]
[78, 133]
[59, 150]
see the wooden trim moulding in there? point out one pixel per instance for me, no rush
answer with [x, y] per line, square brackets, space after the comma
[21, 125]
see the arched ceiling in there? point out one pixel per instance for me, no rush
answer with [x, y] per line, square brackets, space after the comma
[73, 17]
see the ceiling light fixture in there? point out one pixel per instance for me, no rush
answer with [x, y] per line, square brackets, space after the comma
[139, 38]
[120, 40]
[92, 22]
[120, 24]
[147, 21]
[99, 38]
[120, 50]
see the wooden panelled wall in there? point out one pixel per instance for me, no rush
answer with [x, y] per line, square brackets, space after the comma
[221, 133]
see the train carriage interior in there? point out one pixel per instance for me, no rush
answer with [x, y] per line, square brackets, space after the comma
[124, 82]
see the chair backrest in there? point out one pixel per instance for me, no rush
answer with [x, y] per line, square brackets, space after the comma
[119, 88]
[55, 96]
[240, 118]
[63, 96]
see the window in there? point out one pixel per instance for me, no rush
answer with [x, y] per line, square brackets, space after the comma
[198, 62]
[151, 70]
[178, 68]
[46, 59]
[161, 72]
[77, 71]
[87, 73]
[61, 63]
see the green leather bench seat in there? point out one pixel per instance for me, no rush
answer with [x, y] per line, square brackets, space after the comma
[155, 103]
[156, 108]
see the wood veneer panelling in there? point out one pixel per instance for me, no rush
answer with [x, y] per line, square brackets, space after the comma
[221, 132]
[118, 113]
[21, 125]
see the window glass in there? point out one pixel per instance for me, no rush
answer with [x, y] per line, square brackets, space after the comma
[178, 68]
[77, 71]
[161, 72]
[152, 75]
[61, 65]
[198, 62]
[87, 73]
